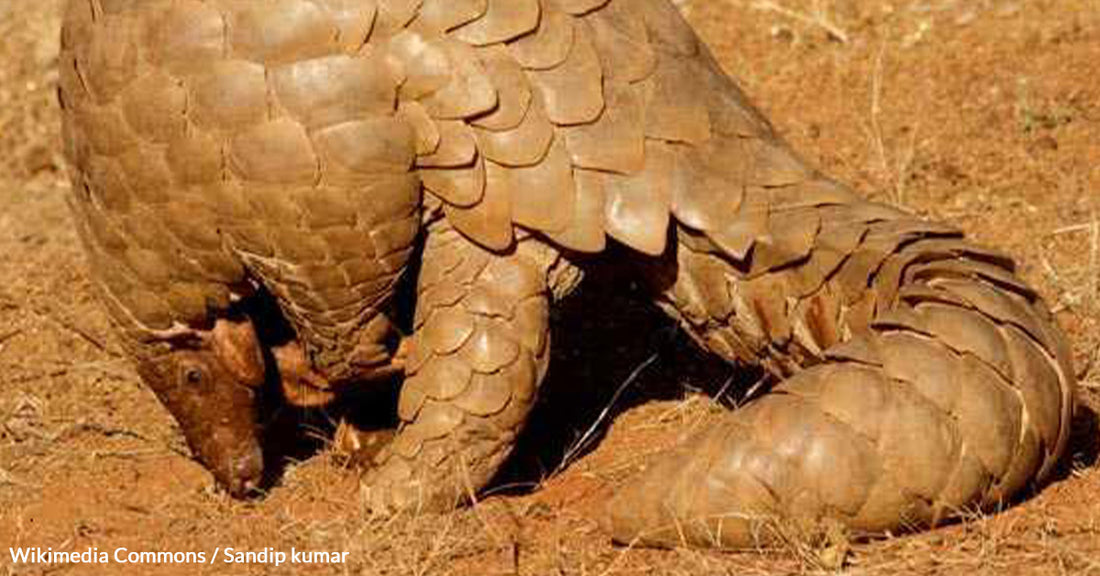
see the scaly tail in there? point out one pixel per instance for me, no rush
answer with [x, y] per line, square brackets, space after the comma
[925, 380]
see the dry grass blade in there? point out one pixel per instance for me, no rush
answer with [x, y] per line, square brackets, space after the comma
[9, 335]
[582, 443]
[816, 18]
[1094, 261]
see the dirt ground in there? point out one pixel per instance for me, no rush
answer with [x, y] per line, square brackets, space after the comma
[983, 113]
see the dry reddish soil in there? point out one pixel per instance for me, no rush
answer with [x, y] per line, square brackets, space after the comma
[983, 113]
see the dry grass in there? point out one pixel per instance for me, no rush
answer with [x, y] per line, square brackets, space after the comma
[978, 112]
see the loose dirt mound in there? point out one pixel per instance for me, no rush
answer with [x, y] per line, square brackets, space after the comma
[981, 113]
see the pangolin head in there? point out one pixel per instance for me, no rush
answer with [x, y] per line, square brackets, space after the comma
[210, 381]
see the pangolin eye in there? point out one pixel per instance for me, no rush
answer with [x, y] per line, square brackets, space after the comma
[193, 375]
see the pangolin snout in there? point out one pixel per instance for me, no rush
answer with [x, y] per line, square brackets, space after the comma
[234, 457]
[243, 474]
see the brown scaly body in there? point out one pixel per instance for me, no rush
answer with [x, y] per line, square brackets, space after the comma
[303, 145]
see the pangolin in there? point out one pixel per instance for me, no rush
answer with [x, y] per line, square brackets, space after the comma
[314, 150]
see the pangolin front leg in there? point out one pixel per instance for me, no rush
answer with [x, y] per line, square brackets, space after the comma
[923, 381]
[477, 356]
[305, 387]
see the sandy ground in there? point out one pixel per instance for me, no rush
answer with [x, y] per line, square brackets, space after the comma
[982, 113]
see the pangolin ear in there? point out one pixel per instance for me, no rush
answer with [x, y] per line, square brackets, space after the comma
[237, 346]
